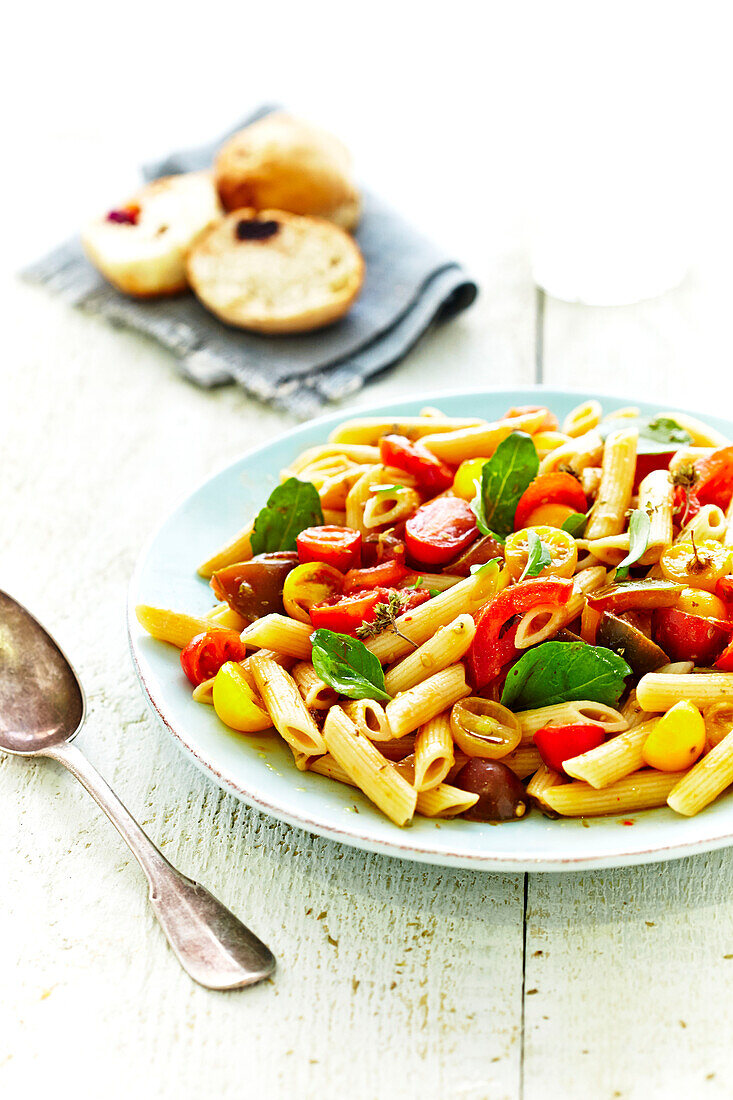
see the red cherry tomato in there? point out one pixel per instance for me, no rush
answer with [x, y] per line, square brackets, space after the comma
[715, 478]
[410, 598]
[206, 653]
[560, 743]
[549, 424]
[429, 472]
[387, 575]
[557, 488]
[686, 637]
[493, 643]
[345, 615]
[685, 505]
[336, 546]
[380, 547]
[724, 589]
[646, 464]
[724, 662]
[440, 530]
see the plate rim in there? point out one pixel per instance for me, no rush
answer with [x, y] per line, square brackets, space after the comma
[490, 861]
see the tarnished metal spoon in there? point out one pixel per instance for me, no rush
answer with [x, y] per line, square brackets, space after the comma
[41, 711]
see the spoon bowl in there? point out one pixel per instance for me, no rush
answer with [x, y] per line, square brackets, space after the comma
[42, 709]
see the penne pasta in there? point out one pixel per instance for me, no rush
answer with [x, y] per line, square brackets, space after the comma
[226, 618]
[641, 791]
[524, 760]
[444, 801]
[586, 450]
[573, 713]
[370, 718]
[703, 435]
[655, 498]
[434, 755]
[608, 515]
[709, 523]
[284, 704]
[611, 761]
[447, 646]
[659, 691]
[237, 549]
[479, 440]
[370, 429]
[419, 704]
[582, 419]
[172, 626]
[317, 695]
[287, 636]
[543, 781]
[326, 765]
[707, 779]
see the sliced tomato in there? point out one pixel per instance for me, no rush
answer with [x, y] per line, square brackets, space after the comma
[493, 643]
[685, 505]
[336, 546]
[429, 472]
[557, 744]
[724, 662]
[382, 546]
[685, 637]
[557, 488]
[724, 589]
[549, 424]
[206, 653]
[345, 615]
[646, 464]
[440, 530]
[410, 598]
[388, 575]
[714, 483]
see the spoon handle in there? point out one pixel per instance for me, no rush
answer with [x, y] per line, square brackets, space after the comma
[210, 943]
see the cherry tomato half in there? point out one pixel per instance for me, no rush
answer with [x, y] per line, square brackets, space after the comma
[557, 744]
[382, 546]
[387, 575]
[725, 661]
[336, 546]
[685, 505]
[440, 530]
[647, 464]
[685, 637]
[206, 653]
[549, 424]
[429, 472]
[557, 488]
[714, 483]
[345, 615]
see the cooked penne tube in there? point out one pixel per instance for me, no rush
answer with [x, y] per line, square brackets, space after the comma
[290, 716]
[284, 635]
[524, 761]
[688, 456]
[370, 429]
[480, 440]
[538, 625]
[317, 695]
[707, 779]
[549, 441]
[172, 626]
[370, 718]
[590, 480]
[326, 765]
[444, 801]
[226, 618]
[447, 646]
[237, 549]
[634, 714]
[584, 582]
[419, 704]
[660, 691]
[434, 754]
[608, 515]
[465, 597]
[384, 509]
[709, 523]
[573, 713]
[641, 791]
[358, 496]
[611, 550]
[437, 581]
[655, 498]
[367, 768]
[359, 454]
[586, 450]
[703, 435]
[728, 539]
[204, 693]
[582, 419]
[543, 780]
[613, 760]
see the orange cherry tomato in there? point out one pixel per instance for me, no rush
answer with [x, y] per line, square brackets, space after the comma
[557, 488]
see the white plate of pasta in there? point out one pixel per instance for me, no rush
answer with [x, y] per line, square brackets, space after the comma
[497, 632]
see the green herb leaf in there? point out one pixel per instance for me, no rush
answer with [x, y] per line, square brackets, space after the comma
[493, 564]
[575, 524]
[558, 672]
[348, 666]
[434, 592]
[639, 529]
[656, 434]
[504, 478]
[290, 508]
[417, 583]
[538, 557]
[384, 488]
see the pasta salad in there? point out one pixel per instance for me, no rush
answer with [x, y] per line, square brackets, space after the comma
[463, 617]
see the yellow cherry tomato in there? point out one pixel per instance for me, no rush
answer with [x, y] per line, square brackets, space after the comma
[697, 564]
[235, 701]
[561, 545]
[697, 601]
[310, 584]
[718, 722]
[550, 515]
[677, 740]
[467, 474]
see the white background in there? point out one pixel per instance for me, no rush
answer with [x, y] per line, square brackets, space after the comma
[394, 980]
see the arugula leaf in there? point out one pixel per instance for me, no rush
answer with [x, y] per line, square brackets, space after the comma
[348, 666]
[558, 672]
[504, 478]
[639, 529]
[575, 524]
[538, 556]
[290, 508]
[656, 434]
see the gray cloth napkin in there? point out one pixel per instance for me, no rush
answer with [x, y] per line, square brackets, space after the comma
[409, 285]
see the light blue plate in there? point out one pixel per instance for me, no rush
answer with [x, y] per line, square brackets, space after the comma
[259, 769]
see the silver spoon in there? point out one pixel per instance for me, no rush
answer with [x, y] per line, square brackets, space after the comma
[41, 711]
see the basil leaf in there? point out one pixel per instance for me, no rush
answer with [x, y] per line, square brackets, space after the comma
[513, 465]
[639, 529]
[348, 666]
[290, 508]
[538, 556]
[575, 524]
[494, 563]
[656, 434]
[558, 672]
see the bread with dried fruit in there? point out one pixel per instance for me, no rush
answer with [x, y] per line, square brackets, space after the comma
[282, 163]
[141, 246]
[272, 271]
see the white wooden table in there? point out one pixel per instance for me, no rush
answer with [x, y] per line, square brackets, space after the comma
[394, 980]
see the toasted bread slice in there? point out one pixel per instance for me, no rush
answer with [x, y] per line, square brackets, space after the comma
[271, 271]
[141, 247]
[281, 163]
